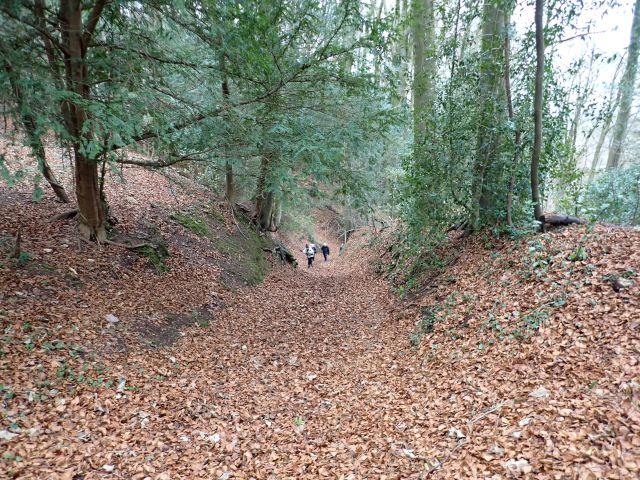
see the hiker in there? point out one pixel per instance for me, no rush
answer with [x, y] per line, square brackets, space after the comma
[325, 251]
[315, 249]
[310, 253]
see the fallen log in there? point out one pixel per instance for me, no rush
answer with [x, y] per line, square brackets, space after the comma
[555, 220]
[285, 255]
[561, 220]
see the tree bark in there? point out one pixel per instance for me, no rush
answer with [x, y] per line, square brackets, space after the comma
[606, 126]
[400, 53]
[422, 29]
[230, 188]
[510, 111]
[491, 113]
[264, 197]
[627, 87]
[537, 111]
[75, 38]
[31, 129]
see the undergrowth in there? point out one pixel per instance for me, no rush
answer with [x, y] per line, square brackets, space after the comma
[156, 255]
[192, 223]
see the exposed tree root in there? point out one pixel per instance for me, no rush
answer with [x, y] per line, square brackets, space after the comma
[65, 215]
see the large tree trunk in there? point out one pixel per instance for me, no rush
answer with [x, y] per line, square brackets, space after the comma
[537, 112]
[627, 87]
[91, 209]
[230, 187]
[31, 129]
[422, 29]
[424, 71]
[510, 111]
[491, 114]
[264, 197]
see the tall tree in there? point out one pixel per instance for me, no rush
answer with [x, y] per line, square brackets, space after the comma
[424, 68]
[627, 87]
[607, 112]
[230, 186]
[537, 111]
[76, 38]
[512, 118]
[491, 114]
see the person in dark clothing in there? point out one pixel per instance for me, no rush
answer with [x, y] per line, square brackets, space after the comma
[310, 253]
[325, 251]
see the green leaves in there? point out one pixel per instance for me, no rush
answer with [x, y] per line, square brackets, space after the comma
[10, 177]
[613, 196]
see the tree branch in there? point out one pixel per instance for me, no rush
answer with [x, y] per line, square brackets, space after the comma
[37, 28]
[581, 35]
[94, 18]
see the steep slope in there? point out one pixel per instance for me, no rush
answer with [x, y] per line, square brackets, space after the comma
[532, 356]
[518, 359]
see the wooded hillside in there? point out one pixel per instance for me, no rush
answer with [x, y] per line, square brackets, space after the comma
[319, 239]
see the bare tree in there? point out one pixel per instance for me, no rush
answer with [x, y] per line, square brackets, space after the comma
[537, 111]
[627, 87]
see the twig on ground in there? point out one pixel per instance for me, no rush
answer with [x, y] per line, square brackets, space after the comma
[130, 247]
[445, 459]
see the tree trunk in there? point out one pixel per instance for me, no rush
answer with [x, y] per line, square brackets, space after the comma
[230, 187]
[31, 129]
[377, 59]
[606, 127]
[400, 53]
[264, 197]
[627, 87]
[422, 29]
[491, 113]
[75, 38]
[537, 112]
[510, 111]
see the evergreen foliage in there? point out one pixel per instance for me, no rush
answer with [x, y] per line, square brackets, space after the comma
[419, 110]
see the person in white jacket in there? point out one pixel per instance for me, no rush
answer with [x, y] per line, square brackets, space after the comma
[310, 252]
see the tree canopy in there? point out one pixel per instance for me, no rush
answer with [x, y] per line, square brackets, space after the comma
[417, 110]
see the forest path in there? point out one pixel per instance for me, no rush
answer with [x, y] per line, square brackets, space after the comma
[298, 377]
[305, 376]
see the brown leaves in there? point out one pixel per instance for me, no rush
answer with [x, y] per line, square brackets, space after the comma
[530, 370]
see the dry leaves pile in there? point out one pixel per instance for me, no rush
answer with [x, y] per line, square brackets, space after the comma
[532, 358]
[527, 363]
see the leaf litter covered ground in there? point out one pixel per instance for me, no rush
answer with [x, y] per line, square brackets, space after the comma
[519, 360]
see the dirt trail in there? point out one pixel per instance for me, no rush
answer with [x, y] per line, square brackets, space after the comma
[304, 374]
[524, 360]
[311, 375]
[293, 378]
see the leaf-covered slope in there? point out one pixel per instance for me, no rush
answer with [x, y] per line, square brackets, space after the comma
[531, 357]
[524, 360]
